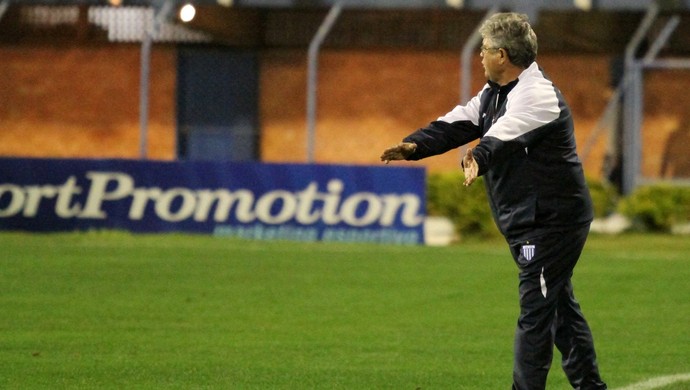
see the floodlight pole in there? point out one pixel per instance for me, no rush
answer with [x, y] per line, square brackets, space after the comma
[312, 75]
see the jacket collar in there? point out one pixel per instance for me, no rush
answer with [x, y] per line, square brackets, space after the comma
[504, 88]
[508, 87]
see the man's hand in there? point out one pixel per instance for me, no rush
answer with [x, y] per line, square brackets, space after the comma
[398, 152]
[469, 167]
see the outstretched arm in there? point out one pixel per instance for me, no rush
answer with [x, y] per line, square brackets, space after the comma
[454, 129]
[398, 152]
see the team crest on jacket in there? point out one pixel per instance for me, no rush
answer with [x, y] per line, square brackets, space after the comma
[528, 252]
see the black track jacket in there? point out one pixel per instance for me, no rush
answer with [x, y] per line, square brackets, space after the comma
[526, 154]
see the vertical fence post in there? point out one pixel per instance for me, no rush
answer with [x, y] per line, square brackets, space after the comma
[312, 76]
[632, 127]
[632, 90]
[161, 9]
[466, 59]
[144, 92]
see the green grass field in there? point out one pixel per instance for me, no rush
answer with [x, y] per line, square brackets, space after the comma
[113, 310]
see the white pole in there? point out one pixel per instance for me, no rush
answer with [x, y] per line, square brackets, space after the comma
[466, 59]
[312, 76]
[151, 28]
[144, 92]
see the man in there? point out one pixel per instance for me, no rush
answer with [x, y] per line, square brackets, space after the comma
[537, 194]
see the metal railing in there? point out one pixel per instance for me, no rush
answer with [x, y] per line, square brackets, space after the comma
[630, 94]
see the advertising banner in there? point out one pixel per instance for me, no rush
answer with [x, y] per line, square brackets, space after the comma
[248, 200]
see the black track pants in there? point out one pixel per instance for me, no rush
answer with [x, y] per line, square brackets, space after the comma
[549, 313]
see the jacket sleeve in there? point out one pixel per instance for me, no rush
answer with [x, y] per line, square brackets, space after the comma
[527, 118]
[450, 131]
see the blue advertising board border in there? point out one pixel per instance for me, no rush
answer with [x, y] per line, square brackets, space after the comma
[308, 202]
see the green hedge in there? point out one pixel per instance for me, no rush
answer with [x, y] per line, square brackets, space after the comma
[604, 197]
[655, 208]
[466, 207]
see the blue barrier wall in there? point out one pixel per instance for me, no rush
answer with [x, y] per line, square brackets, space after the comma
[248, 200]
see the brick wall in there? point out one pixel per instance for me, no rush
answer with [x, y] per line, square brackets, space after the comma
[370, 100]
[84, 102]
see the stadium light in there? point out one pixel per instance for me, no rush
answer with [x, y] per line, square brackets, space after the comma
[585, 5]
[187, 13]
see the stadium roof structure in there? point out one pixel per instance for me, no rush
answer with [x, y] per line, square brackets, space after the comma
[531, 7]
[458, 4]
[602, 26]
